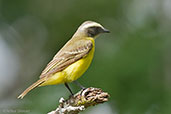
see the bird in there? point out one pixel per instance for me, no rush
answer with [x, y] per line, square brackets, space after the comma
[72, 60]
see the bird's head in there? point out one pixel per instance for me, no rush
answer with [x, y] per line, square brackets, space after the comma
[91, 29]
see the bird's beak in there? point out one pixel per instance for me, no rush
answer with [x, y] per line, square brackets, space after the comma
[105, 30]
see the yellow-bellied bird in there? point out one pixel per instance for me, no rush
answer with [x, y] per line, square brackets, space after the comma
[72, 60]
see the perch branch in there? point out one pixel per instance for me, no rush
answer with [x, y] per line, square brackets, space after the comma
[80, 101]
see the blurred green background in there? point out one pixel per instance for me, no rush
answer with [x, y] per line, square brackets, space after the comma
[132, 63]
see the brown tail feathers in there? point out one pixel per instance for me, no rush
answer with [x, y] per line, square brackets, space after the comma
[34, 85]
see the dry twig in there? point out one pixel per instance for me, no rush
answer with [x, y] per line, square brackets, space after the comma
[80, 101]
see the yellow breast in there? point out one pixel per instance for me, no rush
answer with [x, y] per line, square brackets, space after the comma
[74, 71]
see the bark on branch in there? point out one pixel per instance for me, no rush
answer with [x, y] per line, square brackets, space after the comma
[80, 101]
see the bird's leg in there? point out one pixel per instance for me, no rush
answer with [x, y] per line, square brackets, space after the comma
[66, 85]
[78, 84]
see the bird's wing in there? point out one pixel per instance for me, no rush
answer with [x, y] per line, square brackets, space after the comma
[67, 57]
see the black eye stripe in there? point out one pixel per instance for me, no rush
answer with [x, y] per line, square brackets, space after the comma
[93, 31]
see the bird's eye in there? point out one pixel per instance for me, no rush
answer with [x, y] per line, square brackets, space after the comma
[93, 31]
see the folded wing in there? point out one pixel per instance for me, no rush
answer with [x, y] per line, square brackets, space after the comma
[67, 57]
